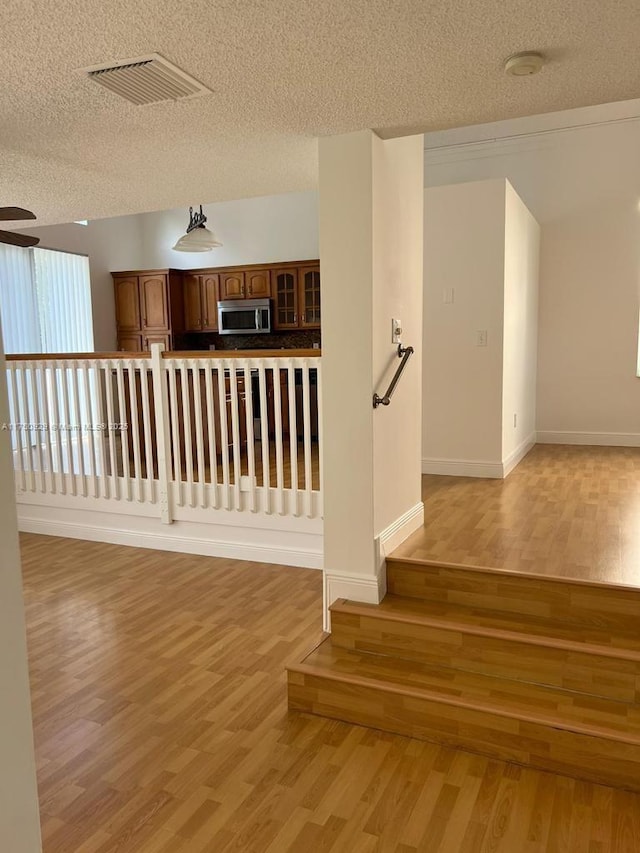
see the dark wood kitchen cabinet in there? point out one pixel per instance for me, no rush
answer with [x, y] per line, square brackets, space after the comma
[149, 308]
[201, 302]
[296, 297]
[309, 296]
[248, 283]
[158, 304]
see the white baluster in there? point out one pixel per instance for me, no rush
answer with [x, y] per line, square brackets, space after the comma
[211, 432]
[251, 442]
[306, 420]
[235, 432]
[67, 448]
[35, 421]
[277, 413]
[134, 426]
[124, 433]
[90, 427]
[318, 366]
[114, 490]
[159, 373]
[45, 434]
[264, 438]
[224, 434]
[186, 416]
[175, 432]
[24, 420]
[14, 409]
[149, 440]
[197, 405]
[293, 437]
[57, 418]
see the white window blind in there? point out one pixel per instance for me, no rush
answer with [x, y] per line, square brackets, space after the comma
[64, 301]
[18, 301]
[45, 301]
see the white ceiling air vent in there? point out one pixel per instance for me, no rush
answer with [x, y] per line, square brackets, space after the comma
[147, 80]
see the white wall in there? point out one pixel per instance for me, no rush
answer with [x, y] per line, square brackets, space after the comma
[371, 254]
[111, 244]
[19, 822]
[464, 249]
[520, 339]
[398, 201]
[583, 186]
[252, 231]
[346, 255]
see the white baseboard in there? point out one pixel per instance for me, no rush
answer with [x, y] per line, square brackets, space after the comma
[357, 587]
[518, 454]
[395, 534]
[237, 543]
[471, 468]
[462, 468]
[372, 588]
[595, 439]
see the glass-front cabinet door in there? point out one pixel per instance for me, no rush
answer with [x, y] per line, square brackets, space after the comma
[285, 298]
[310, 297]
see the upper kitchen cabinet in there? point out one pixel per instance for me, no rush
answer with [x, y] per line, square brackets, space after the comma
[309, 294]
[232, 285]
[249, 283]
[201, 302]
[127, 303]
[149, 307]
[296, 297]
[285, 298]
[154, 302]
[192, 287]
[258, 284]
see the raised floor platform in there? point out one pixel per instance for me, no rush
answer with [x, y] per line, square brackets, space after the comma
[565, 511]
[538, 671]
[510, 626]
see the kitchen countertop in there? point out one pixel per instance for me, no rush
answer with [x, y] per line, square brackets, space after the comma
[244, 353]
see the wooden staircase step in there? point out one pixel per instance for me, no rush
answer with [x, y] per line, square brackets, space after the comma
[544, 727]
[592, 661]
[574, 602]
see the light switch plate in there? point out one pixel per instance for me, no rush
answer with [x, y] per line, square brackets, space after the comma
[396, 331]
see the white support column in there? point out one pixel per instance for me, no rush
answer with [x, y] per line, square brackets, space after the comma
[371, 210]
[19, 821]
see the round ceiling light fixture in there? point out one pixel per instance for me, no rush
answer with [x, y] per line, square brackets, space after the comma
[524, 64]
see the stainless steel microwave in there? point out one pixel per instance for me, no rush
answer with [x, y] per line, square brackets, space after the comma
[244, 317]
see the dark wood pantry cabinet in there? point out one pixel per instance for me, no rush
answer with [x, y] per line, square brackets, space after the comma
[149, 308]
[201, 302]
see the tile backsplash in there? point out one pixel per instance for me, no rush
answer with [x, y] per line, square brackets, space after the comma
[299, 339]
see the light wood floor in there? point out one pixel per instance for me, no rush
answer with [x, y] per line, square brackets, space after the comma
[243, 460]
[565, 511]
[161, 726]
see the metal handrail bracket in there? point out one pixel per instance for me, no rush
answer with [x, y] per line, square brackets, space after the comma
[405, 354]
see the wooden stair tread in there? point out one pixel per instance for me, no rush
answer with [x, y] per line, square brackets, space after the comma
[524, 628]
[396, 559]
[549, 706]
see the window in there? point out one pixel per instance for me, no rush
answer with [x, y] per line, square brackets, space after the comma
[45, 301]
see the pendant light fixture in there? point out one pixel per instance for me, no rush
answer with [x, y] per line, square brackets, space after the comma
[197, 237]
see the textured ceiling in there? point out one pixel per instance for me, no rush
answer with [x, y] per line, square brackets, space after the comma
[282, 73]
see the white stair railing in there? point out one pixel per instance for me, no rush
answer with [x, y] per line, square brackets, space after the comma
[178, 434]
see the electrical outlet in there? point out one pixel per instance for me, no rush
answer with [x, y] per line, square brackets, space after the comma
[396, 331]
[447, 295]
[481, 338]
